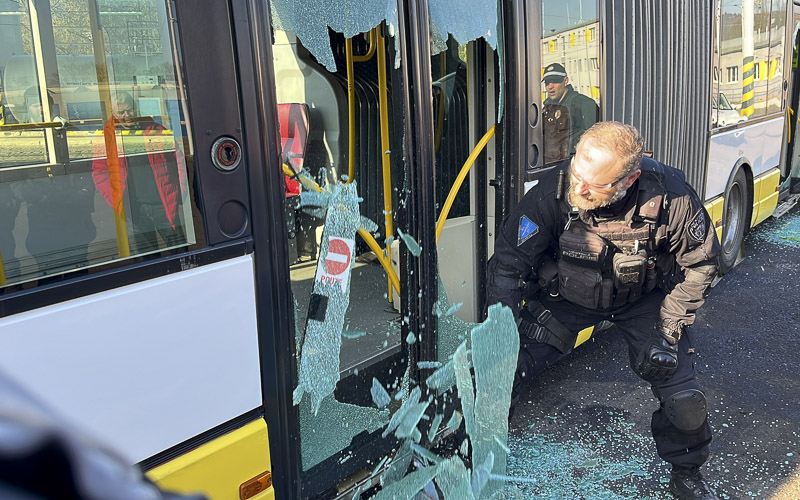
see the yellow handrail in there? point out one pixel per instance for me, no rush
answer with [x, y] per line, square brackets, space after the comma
[351, 113]
[373, 245]
[386, 263]
[31, 126]
[370, 51]
[460, 179]
[383, 105]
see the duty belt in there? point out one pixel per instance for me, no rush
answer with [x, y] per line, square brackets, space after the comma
[546, 328]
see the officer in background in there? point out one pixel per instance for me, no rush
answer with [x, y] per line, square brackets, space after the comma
[610, 235]
[567, 114]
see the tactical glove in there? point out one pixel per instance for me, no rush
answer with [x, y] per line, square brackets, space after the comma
[661, 357]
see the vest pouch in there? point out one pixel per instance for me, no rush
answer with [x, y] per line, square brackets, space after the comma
[629, 270]
[585, 248]
[580, 285]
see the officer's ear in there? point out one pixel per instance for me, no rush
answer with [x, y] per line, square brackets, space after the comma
[632, 178]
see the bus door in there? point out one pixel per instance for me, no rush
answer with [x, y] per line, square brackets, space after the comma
[792, 158]
[135, 285]
[373, 125]
[342, 106]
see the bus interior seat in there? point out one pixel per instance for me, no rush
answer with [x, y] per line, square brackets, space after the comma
[293, 125]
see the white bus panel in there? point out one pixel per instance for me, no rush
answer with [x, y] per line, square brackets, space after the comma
[127, 365]
[758, 144]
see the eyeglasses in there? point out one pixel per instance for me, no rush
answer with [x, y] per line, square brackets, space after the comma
[598, 186]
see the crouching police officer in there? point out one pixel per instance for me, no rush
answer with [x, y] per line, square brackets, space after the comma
[610, 235]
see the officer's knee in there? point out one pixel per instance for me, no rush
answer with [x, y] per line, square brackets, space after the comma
[684, 405]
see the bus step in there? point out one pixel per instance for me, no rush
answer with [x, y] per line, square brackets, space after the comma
[786, 205]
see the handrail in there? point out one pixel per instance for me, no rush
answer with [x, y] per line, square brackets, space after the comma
[370, 51]
[386, 263]
[373, 245]
[383, 105]
[460, 179]
[33, 126]
[351, 113]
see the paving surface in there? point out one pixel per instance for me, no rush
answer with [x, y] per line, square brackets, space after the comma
[583, 428]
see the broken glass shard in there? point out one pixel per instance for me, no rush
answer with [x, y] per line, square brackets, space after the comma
[466, 20]
[319, 361]
[464, 385]
[411, 243]
[454, 480]
[495, 345]
[409, 486]
[333, 430]
[442, 379]
[310, 19]
[437, 421]
[380, 397]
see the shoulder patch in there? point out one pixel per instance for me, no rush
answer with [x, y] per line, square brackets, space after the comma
[527, 229]
[697, 227]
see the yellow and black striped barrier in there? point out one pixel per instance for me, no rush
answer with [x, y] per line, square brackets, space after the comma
[748, 86]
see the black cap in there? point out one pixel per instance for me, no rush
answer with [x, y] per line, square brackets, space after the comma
[554, 69]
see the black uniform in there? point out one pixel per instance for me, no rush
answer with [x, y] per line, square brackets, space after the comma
[645, 263]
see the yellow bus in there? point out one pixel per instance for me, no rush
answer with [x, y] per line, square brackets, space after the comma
[162, 243]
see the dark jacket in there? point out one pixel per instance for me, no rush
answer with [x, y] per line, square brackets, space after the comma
[565, 121]
[685, 242]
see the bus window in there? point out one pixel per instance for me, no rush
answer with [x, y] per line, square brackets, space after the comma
[774, 68]
[92, 173]
[570, 75]
[337, 280]
[751, 58]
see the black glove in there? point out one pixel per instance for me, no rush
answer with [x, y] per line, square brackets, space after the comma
[661, 357]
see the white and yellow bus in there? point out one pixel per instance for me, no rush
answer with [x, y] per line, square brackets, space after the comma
[158, 272]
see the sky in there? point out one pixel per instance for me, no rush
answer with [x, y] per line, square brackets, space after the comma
[559, 14]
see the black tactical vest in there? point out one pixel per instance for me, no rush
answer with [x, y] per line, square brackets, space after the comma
[605, 263]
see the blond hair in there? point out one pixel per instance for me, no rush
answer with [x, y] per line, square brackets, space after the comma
[623, 140]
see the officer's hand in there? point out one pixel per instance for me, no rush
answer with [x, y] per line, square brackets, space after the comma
[661, 359]
[665, 356]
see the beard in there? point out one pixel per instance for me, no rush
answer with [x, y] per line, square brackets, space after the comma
[593, 202]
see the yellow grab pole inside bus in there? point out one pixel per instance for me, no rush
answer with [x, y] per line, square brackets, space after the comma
[460, 179]
[351, 113]
[383, 101]
[104, 88]
[370, 51]
[373, 245]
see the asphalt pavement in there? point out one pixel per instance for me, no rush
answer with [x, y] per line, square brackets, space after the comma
[582, 430]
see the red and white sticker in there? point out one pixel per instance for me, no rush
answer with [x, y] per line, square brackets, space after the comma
[335, 268]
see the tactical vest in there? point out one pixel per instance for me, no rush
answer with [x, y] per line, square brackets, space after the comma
[556, 132]
[605, 263]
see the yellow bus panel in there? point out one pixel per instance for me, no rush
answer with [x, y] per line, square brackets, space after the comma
[765, 195]
[219, 468]
[715, 210]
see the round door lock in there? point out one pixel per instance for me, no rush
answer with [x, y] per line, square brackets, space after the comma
[226, 154]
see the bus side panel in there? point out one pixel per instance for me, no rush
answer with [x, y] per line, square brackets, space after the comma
[758, 144]
[146, 366]
[715, 211]
[765, 195]
[217, 468]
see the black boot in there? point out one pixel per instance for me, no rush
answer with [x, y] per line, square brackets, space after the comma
[688, 484]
